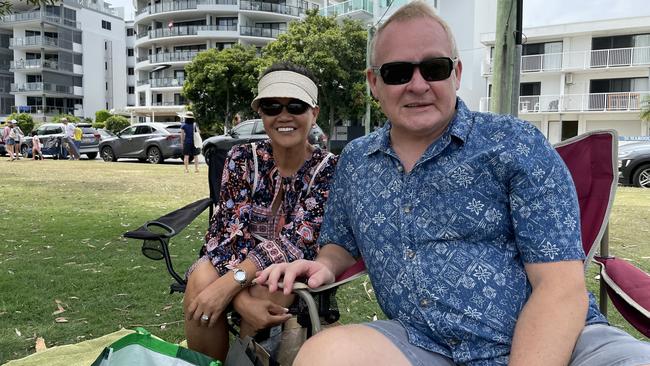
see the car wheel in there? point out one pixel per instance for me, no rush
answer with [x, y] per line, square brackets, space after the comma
[642, 176]
[91, 156]
[24, 151]
[107, 154]
[154, 156]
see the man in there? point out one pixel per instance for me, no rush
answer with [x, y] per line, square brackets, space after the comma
[69, 141]
[468, 224]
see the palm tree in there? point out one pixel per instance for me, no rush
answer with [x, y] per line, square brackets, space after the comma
[645, 109]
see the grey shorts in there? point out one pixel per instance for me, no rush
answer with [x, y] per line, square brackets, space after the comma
[598, 344]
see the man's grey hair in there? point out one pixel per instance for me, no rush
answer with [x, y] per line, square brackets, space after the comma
[414, 10]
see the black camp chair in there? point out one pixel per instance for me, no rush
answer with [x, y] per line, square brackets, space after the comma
[321, 308]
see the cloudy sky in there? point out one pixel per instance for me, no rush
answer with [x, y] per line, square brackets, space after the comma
[542, 12]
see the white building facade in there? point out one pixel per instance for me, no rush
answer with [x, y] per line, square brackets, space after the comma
[581, 77]
[169, 34]
[64, 58]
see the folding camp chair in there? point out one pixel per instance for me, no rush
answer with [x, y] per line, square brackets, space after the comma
[592, 161]
[156, 235]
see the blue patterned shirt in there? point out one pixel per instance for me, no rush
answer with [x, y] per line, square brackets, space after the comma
[445, 244]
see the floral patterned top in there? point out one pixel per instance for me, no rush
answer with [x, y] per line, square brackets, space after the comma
[241, 219]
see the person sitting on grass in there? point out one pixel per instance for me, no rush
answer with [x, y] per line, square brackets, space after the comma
[270, 210]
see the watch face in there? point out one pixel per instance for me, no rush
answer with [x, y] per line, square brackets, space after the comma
[240, 276]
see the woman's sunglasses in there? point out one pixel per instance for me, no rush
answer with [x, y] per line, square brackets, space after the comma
[433, 69]
[272, 107]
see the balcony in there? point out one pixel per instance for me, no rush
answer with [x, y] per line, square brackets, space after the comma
[253, 31]
[167, 82]
[37, 41]
[187, 30]
[38, 65]
[42, 88]
[352, 8]
[283, 9]
[39, 110]
[166, 7]
[172, 57]
[573, 103]
[38, 16]
[582, 60]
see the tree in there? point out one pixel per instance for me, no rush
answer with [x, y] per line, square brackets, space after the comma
[220, 82]
[335, 53]
[116, 123]
[6, 6]
[645, 109]
[25, 121]
[102, 115]
[69, 117]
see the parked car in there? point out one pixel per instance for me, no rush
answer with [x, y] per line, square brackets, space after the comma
[634, 164]
[104, 134]
[151, 141]
[51, 135]
[253, 130]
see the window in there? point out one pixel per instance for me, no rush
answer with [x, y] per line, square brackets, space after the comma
[105, 65]
[130, 89]
[129, 52]
[106, 25]
[106, 88]
[130, 32]
[130, 71]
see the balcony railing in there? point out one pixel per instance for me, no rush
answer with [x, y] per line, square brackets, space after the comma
[44, 64]
[272, 8]
[42, 87]
[34, 41]
[173, 57]
[348, 7]
[47, 110]
[167, 7]
[37, 15]
[166, 82]
[184, 30]
[594, 102]
[583, 60]
[247, 30]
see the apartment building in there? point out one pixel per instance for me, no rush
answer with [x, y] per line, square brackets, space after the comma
[63, 58]
[169, 34]
[581, 77]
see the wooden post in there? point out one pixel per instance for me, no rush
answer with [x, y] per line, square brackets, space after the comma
[507, 55]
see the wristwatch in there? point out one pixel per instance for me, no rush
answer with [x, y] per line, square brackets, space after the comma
[240, 276]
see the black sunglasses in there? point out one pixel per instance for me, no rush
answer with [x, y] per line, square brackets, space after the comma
[272, 107]
[401, 72]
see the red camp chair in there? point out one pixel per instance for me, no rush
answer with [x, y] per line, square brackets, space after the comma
[592, 160]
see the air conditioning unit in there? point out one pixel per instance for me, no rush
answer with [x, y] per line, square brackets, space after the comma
[568, 79]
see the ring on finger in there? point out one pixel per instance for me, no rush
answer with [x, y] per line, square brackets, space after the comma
[205, 318]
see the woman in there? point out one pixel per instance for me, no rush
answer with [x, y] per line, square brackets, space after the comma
[272, 199]
[187, 136]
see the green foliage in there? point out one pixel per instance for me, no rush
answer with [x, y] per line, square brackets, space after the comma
[645, 108]
[87, 120]
[336, 53]
[25, 121]
[220, 83]
[6, 6]
[102, 115]
[117, 123]
[69, 117]
[99, 125]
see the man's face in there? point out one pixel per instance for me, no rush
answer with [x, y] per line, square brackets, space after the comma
[418, 108]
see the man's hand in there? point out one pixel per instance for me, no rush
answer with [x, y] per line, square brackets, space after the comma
[317, 274]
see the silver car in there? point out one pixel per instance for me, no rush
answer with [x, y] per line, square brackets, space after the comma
[151, 141]
[49, 132]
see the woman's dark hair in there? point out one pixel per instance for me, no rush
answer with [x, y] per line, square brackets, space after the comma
[290, 66]
[189, 120]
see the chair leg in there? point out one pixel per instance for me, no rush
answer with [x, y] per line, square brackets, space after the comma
[604, 252]
[313, 309]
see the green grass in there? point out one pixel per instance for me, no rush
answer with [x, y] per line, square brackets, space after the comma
[62, 223]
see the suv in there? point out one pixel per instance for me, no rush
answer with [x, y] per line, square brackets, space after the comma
[253, 130]
[51, 134]
[151, 141]
[634, 164]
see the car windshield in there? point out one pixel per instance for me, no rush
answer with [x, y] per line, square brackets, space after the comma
[245, 128]
[173, 129]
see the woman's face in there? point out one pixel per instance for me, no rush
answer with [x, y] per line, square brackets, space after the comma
[290, 127]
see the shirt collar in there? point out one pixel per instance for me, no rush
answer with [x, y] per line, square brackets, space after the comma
[459, 127]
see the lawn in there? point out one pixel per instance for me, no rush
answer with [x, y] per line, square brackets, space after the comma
[61, 249]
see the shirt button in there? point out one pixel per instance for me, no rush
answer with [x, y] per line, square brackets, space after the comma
[410, 254]
[407, 209]
[400, 168]
[424, 303]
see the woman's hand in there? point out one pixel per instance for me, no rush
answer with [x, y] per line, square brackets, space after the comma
[213, 301]
[259, 313]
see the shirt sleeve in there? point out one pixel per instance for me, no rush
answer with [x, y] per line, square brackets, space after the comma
[543, 202]
[298, 238]
[337, 227]
[228, 237]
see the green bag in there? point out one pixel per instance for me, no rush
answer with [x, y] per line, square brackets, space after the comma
[142, 349]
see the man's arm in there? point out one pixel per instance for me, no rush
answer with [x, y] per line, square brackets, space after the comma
[553, 317]
[331, 261]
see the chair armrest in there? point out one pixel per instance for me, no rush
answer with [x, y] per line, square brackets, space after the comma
[171, 223]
